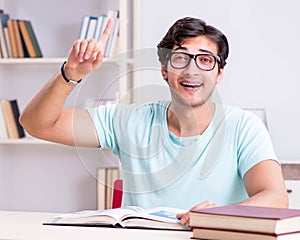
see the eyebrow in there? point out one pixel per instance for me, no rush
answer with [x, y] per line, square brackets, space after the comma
[201, 50]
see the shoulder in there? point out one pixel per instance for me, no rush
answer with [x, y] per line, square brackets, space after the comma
[244, 117]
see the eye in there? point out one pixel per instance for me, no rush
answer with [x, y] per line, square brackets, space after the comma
[205, 59]
[179, 57]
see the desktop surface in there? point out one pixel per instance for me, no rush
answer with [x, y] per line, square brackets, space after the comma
[29, 226]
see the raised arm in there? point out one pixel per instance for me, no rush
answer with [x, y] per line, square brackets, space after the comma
[45, 118]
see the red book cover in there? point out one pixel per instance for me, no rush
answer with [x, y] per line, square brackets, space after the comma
[247, 218]
[252, 212]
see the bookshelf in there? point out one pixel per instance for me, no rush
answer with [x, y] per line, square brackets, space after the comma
[68, 179]
[55, 50]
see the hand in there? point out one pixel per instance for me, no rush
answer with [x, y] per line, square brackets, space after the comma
[86, 55]
[185, 217]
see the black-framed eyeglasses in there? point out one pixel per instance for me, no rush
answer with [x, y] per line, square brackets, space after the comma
[204, 61]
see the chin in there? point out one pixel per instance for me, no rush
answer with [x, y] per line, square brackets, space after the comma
[189, 103]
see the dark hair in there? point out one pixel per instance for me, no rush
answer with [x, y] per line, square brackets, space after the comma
[192, 27]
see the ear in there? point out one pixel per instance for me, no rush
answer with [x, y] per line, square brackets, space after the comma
[220, 75]
[164, 72]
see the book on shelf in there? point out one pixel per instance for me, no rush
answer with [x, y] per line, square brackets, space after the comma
[112, 39]
[3, 129]
[93, 27]
[112, 174]
[265, 220]
[84, 27]
[20, 38]
[10, 112]
[16, 113]
[34, 39]
[101, 23]
[27, 39]
[125, 217]
[105, 182]
[210, 234]
[100, 191]
[12, 38]
[5, 51]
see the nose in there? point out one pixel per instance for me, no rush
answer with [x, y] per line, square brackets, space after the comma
[191, 68]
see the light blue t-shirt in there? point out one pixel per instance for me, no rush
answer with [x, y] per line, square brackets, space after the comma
[161, 169]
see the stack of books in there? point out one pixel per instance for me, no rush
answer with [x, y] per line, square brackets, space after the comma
[17, 38]
[239, 222]
[10, 127]
[105, 186]
[93, 27]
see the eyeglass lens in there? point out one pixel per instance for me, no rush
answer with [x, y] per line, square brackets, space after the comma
[203, 61]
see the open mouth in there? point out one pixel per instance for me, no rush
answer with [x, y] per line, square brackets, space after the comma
[190, 85]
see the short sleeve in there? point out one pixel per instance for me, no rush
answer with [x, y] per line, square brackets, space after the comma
[253, 142]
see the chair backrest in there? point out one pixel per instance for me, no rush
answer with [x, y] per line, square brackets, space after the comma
[117, 193]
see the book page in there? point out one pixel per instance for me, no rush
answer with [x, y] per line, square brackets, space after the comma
[163, 214]
[109, 216]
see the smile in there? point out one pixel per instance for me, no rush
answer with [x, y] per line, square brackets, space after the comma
[191, 85]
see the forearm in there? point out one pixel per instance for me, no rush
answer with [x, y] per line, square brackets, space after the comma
[46, 107]
[268, 198]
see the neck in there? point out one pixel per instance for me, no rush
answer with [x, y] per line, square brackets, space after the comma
[186, 121]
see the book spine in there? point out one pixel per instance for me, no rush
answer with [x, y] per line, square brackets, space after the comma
[16, 113]
[12, 38]
[33, 39]
[20, 50]
[28, 43]
[3, 40]
[3, 128]
[10, 122]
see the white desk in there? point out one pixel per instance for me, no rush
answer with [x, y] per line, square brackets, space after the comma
[28, 225]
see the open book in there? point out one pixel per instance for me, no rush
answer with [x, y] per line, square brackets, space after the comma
[126, 217]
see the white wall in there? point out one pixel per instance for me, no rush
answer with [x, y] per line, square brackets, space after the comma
[262, 67]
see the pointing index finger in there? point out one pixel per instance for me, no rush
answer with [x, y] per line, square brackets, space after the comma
[106, 33]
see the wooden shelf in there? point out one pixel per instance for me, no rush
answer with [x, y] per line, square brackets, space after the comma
[31, 60]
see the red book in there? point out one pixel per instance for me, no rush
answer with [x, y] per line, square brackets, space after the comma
[209, 234]
[248, 218]
[117, 193]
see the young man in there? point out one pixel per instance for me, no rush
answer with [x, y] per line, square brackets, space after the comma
[190, 152]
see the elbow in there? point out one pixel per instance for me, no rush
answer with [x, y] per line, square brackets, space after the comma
[25, 122]
[28, 124]
[22, 121]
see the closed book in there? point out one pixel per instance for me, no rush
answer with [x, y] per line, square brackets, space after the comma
[101, 21]
[84, 27]
[91, 27]
[3, 43]
[34, 39]
[3, 47]
[20, 49]
[10, 122]
[3, 129]
[16, 112]
[101, 175]
[113, 14]
[247, 218]
[6, 34]
[205, 233]
[12, 38]
[28, 42]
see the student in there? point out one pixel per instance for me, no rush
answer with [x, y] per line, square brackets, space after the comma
[190, 152]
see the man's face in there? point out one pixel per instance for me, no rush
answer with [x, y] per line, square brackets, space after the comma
[192, 86]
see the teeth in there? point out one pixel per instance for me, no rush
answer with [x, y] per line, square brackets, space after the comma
[190, 85]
